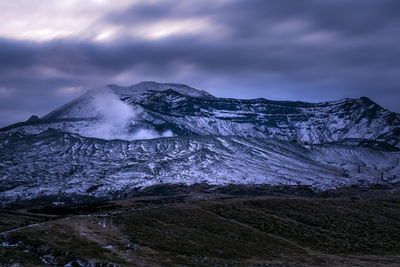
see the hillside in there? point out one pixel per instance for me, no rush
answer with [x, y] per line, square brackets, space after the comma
[113, 141]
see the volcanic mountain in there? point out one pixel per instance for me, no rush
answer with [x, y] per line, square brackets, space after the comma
[113, 141]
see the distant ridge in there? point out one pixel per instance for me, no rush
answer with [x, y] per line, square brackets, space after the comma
[188, 111]
[114, 141]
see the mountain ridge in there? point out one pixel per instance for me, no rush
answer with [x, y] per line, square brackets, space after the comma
[192, 112]
[56, 163]
[110, 143]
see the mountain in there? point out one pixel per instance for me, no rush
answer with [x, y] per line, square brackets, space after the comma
[115, 140]
[56, 164]
[182, 110]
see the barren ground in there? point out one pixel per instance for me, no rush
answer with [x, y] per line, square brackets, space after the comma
[200, 226]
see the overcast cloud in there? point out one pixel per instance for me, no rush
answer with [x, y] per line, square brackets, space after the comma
[54, 50]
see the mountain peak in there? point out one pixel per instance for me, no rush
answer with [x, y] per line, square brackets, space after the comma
[182, 110]
[151, 86]
[368, 101]
[180, 88]
[33, 118]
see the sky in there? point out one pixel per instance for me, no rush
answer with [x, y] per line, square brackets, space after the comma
[52, 51]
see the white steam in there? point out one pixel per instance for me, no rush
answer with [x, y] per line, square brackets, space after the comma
[148, 134]
[115, 118]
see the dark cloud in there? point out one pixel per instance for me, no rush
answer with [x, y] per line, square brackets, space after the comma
[298, 50]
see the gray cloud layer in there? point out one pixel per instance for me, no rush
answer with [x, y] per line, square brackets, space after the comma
[307, 50]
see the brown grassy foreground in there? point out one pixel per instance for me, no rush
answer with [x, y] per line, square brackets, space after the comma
[211, 230]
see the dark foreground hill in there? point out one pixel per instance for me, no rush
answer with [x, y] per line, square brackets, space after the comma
[245, 226]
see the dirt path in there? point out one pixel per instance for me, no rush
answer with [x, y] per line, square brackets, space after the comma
[21, 228]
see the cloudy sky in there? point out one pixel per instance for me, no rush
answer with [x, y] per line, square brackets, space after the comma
[52, 51]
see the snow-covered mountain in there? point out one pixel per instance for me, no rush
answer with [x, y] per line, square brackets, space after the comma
[54, 163]
[175, 110]
[96, 147]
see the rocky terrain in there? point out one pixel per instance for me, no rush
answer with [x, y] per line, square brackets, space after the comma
[168, 175]
[113, 141]
[64, 168]
[202, 225]
[176, 110]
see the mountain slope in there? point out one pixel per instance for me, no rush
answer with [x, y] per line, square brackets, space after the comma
[55, 164]
[182, 110]
[96, 146]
